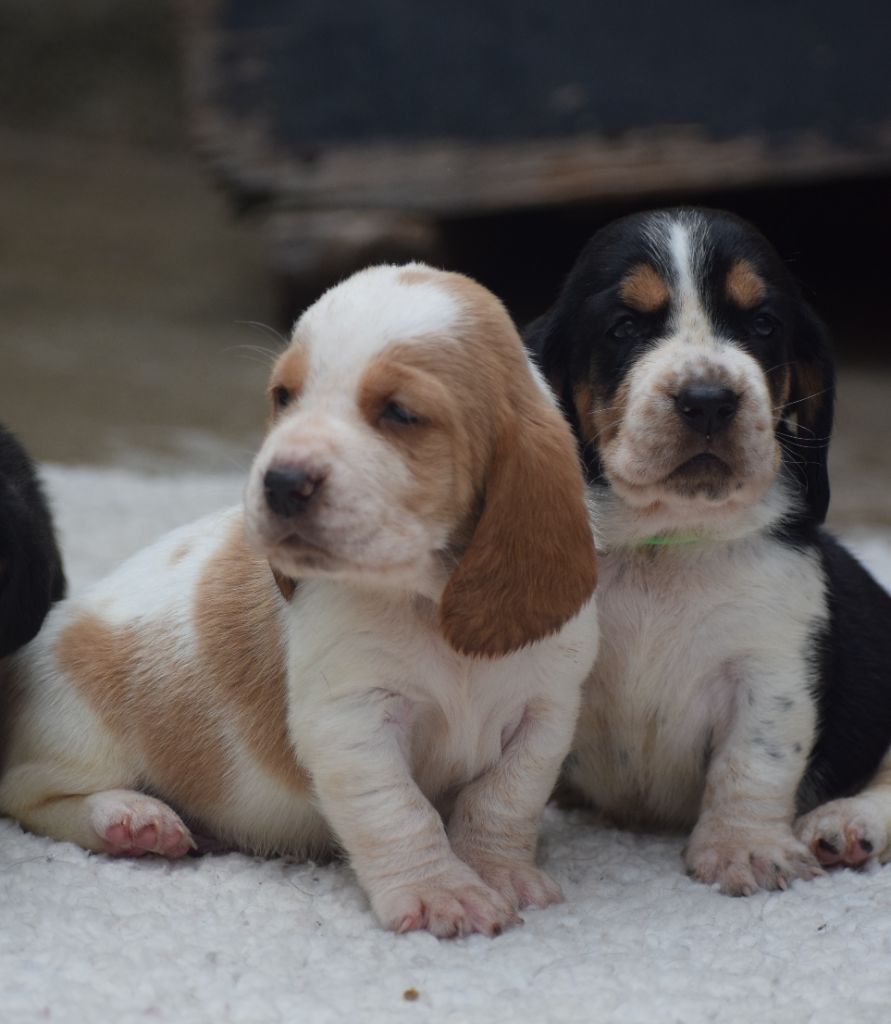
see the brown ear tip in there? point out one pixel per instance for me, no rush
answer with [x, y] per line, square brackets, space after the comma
[486, 646]
[476, 638]
[470, 632]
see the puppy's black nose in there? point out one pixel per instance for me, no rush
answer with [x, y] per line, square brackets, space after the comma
[707, 409]
[288, 489]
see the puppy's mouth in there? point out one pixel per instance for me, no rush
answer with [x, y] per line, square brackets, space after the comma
[705, 463]
[289, 547]
[296, 553]
[296, 543]
[704, 474]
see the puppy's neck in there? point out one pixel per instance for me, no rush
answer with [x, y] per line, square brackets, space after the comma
[421, 583]
[663, 527]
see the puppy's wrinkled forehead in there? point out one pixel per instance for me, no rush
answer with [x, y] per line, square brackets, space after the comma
[682, 263]
[381, 306]
[679, 275]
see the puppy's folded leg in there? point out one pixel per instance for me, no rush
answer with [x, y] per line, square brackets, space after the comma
[852, 831]
[119, 822]
[355, 748]
[744, 839]
[494, 824]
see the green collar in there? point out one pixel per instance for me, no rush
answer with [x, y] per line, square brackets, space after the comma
[669, 541]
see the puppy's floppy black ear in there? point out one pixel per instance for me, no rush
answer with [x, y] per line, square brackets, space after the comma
[539, 339]
[546, 340]
[31, 579]
[535, 336]
[811, 404]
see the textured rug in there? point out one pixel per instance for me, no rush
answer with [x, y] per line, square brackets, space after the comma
[232, 938]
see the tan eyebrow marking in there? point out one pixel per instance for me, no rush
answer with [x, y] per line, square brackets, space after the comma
[290, 370]
[643, 289]
[744, 285]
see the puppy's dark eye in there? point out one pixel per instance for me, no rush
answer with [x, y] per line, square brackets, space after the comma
[281, 397]
[397, 415]
[623, 329]
[764, 326]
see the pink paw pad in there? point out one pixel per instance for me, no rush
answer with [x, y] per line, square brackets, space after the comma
[852, 851]
[122, 840]
[847, 833]
[137, 825]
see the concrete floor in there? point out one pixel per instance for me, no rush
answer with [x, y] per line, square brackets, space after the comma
[125, 297]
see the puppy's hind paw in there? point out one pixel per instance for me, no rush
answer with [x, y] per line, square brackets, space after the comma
[845, 833]
[131, 824]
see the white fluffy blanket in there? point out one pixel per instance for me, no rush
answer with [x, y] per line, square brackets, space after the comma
[231, 938]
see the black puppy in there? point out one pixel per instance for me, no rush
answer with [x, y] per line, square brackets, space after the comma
[744, 675]
[31, 576]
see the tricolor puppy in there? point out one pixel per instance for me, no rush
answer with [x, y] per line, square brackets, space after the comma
[409, 689]
[31, 574]
[743, 676]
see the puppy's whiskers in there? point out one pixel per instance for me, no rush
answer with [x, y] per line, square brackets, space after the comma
[267, 328]
[798, 401]
[250, 352]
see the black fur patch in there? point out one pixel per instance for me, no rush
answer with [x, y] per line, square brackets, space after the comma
[31, 576]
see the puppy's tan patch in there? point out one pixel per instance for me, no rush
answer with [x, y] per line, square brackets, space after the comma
[426, 381]
[810, 389]
[780, 384]
[242, 647]
[600, 421]
[179, 718]
[289, 374]
[643, 289]
[744, 286]
[124, 674]
[584, 406]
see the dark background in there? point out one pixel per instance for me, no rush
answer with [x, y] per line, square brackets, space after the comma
[126, 281]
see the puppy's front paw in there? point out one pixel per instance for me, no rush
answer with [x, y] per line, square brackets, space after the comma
[743, 860]
[450, 904]
[131, 824]
[845, 833]
[523, 885]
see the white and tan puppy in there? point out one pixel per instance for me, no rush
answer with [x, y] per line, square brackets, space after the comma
[382, 653]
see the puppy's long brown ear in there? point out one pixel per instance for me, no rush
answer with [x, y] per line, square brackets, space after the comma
[531, 564]
[811, 404]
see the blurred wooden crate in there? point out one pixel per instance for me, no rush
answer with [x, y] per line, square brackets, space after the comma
[359, 127]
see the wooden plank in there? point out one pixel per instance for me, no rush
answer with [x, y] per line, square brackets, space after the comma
[289, 110]
[448, 178]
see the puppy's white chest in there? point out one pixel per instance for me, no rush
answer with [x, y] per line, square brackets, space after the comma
[661, 694]
[460, 723]
[469, 710]
[451, 715]
[686, 634]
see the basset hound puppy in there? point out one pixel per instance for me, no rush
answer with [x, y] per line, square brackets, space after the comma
[382, 652]
[743, 688]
